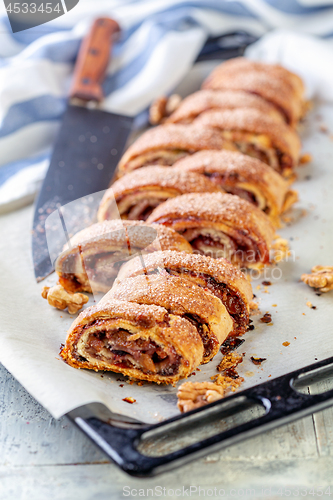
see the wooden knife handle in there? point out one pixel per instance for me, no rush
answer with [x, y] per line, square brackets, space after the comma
[93, 60]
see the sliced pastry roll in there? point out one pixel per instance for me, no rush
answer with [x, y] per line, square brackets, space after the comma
[135, 195]
[144, 342]
[219, 225]
[92, 261]
[257, 135]
[207, 100]
[184, 298]
[280, 87]
[165, 144]
[247, 177]
[218, 276]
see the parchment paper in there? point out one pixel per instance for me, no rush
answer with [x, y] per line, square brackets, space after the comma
[32, 331]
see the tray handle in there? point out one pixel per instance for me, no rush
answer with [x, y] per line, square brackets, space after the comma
[119, 437]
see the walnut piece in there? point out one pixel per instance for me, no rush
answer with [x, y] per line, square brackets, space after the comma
[290, 199]
[280, 249]
[60, 299]
[321, 278]
[163, 107]
[193, 395]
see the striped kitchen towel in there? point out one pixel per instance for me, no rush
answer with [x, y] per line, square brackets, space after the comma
[160, 40]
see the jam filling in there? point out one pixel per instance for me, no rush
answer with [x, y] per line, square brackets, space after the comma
[114, 347]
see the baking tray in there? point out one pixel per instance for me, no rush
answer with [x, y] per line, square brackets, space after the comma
[145, 450]
[149, 437]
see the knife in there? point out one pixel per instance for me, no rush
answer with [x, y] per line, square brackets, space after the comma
[90, 145]
[88, 148]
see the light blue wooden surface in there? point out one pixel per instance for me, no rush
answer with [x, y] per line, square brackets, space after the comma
[41, 458]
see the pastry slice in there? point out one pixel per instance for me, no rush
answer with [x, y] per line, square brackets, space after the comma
[181, 297]
[94, 257]
[278, 86]
[219, 225]
[135, 195]
[208, 100]
[247, 177]
[144, 342]
[165, 144]
[218, 276]
[256, 135]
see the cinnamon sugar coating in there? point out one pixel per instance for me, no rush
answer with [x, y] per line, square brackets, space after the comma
[143, 323]
[276, 84]
[166, 143]
[230, 170]
[184, 298]
[155, 184]
[215, 214]
[207, 100]
[219, 276]
[101, 248]
[278, 136]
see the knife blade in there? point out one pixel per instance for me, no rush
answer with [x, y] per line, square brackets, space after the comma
[89, 145]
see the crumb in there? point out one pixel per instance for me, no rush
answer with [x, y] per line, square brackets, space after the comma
[258, 287]
[274, 305]
[130, 400]
[266, 318]
[257, 361]
[121, 385]
[230, 360]
[305, 158]
[231, 344]
[309, 304]
[249, 374]
[266, 283]
[250, 328]
[285, 344]
[198, 369]
[323, 128]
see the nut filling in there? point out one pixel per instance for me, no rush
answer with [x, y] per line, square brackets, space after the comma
[232, 302]
[115, 347]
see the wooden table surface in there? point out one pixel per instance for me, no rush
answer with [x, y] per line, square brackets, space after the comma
[44, 458]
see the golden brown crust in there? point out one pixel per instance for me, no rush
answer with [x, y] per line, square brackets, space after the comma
[135, 195]
[241, 174]
[223, 279]
[264, 132]
[117, 240]
[236, 228]
[207, 100]
[283, 89]
[167, 143]
[184, 298]
[142, 323]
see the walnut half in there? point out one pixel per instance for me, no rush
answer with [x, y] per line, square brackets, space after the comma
[321, 278]
[60, 299]
[193, 395]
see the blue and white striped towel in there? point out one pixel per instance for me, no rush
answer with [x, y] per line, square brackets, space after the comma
[159, 42]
